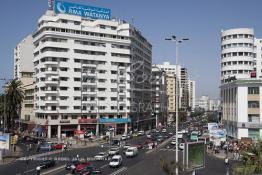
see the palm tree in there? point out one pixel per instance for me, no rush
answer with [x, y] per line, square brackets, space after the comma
[2, 100]
[14, 98]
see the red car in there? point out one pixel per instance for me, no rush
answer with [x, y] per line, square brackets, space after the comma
[81, 166]
[59, 146]
[139, 146]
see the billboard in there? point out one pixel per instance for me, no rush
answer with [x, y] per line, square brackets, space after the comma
[82, 10]
[194, 155]
[5, 141]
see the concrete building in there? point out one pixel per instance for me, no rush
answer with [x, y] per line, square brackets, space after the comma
[241, 82]
[24, 70]
[203, 102]
[192, 94]
[241, 104]
[89, 75]
[159, 96]
[237, 53]
[185, 90]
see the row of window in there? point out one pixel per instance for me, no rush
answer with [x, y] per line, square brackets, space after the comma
[80, 32]
[232, 45]
[235, 72]
[253, 90]
[253, 104]
[235, 36]
[236, 63]
[233, 54]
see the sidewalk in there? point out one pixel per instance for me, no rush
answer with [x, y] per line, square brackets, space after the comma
[11, 156]
[221, 154]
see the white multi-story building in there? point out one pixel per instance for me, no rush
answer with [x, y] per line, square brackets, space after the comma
[24, 70]
[88, 75]
[241, 108]
[241, 83]
[159, 96]
[237, 53]
[192, 94]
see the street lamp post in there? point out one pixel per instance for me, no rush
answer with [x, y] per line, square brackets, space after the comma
[177, 42]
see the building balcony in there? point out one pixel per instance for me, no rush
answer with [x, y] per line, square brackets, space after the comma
[50, 82]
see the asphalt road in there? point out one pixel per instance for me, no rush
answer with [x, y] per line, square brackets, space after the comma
[22, 168]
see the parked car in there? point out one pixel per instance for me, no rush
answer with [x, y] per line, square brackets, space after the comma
[72, 165]
[141, 133]
[116, 161]
[47, 164]
[47, 146]
[113, 151]
[131, 152]
[101, 156]
[173, 142]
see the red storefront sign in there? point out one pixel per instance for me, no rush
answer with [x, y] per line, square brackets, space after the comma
[87, 120]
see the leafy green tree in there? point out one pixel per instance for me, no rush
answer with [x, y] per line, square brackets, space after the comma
[14, 98]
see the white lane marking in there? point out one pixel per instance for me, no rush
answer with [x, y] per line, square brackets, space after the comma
[103, 166]
[28, 171]
[39, 155]
[119, 171]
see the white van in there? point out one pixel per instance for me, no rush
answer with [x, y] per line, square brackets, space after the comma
[131, 152]
[116, 161]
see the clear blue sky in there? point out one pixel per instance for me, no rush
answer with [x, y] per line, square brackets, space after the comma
[199, 20]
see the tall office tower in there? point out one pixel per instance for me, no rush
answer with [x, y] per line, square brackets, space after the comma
[90, 72]
[24, 70]
[192, 94]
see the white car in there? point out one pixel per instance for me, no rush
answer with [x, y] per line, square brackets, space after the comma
[124, 137]
[141, 133]
[116, 161]
[131, 152]
[181, 146]
[113, 151]
[101, 156]
[164, 130]
[126, 146]
[173, 142]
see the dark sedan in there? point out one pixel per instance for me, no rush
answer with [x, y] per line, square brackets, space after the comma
[47, 164]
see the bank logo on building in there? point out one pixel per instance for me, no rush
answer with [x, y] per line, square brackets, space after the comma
[82, 10]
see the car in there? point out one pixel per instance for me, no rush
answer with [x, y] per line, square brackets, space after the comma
[157, 131]
[131, 152]
[90, 170]
[47, 146]
[181, 146]
[59, 146]
[148, 136]
[129, 136]
[101, 156]
[113, 151]
[173, 142]
[126, 146]
[72, 165]
[164, 130]
[139, 146]
[124, 137]
[170, 133]
[160, 138]
[135, 134]
[81, 166]
[141, 133]
[116, 161]
[47, 164]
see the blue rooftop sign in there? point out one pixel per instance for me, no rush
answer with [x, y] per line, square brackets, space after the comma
[114, 120]
[82, 10]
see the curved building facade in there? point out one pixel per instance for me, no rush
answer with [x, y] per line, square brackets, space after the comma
[237, 53]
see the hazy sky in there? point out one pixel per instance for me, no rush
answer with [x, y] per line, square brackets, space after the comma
[199, 20]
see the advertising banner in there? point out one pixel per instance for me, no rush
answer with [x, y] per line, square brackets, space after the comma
[5, 141]
[194, 155]
[114, 120]
[82, 10]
